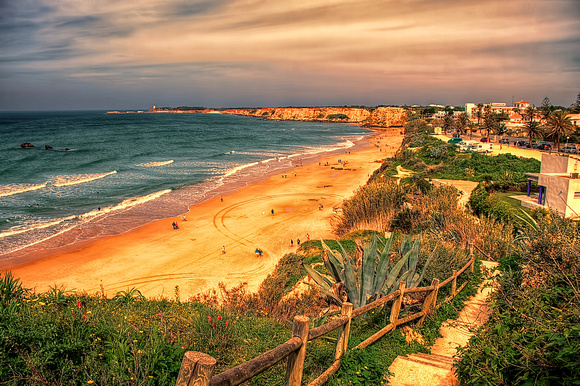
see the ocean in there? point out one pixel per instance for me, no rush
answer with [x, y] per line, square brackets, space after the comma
[106, 174]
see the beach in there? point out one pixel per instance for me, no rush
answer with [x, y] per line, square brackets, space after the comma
[217, 242]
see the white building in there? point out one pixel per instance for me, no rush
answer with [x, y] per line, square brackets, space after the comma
[559, 186]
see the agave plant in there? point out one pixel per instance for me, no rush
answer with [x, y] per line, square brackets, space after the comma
[375, 276]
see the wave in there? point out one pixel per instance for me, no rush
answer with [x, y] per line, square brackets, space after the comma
[153, 164]
[60, 227]
[19, 230]
[8, 190]
[238, 168]
[79, 178]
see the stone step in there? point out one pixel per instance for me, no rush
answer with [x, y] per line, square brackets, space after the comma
[436, 358]
[414, 372]
[426, 361]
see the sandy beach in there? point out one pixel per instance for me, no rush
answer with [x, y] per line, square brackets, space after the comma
[156, 258]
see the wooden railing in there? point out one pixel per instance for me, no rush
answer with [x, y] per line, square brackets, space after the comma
[197, 368]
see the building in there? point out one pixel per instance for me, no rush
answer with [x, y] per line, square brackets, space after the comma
[559, 186]
[575, 118]
[522, 105]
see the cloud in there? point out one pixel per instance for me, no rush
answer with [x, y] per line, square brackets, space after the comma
[299, 50]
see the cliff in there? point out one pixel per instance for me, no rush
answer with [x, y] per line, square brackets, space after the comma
[373, 116]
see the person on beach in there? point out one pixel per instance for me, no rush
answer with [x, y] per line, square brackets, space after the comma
[291, 242]
[175, 226]
[222, 198]
[307, 237]
[272, 212]
[183, 217]
[298, 242]
[257, 251]
[223, 249]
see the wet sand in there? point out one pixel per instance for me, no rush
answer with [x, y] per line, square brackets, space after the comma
[156, 258]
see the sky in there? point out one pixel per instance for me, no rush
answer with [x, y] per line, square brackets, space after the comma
[133, 54]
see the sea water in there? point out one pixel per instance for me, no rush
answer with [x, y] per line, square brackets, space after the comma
[106, 174]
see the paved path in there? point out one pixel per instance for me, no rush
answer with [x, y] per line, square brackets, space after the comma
[436, 369]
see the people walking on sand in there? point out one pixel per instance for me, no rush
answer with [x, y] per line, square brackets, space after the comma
[307, 237]
[291, 242]
[223, 249]
[183, 217]
[272, 212]
[175, 226]
[257, 252]
[222, 198]
[298, 242]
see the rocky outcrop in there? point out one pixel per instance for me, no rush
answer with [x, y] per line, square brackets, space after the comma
[365, 116]
[26, 145]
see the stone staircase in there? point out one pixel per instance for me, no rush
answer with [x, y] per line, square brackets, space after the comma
[436, 369]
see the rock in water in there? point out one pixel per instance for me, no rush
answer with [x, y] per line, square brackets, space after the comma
[48, 147]
[25, 145]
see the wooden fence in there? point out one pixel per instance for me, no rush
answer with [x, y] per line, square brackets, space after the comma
[197, 368]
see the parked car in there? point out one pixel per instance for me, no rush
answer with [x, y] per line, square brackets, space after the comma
[522, 144]
[455, 140]
[569, 150]
[545, 146]
[484, 139]
[505, 141]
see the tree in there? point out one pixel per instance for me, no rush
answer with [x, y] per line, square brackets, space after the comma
[534, 130]
[559, 125]
[479, 114]
[575, 107]
[546, 108]
[461, 123]
[447, 122]
[490, 120]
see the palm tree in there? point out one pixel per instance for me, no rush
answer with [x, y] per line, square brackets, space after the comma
[490, 121]
[559, 125]
[534, 130]
[447, 122]
[479, 113]
[461, 123]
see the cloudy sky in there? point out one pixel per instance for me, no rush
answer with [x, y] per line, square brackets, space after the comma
[132, 54]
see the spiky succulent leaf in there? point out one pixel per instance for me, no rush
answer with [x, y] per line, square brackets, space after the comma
[319, 279]
[383, 266]
[393, 275]
[367, 270]
[332, 263]
[425, 267]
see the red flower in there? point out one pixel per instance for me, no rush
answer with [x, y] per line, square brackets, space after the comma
[213, 325]
[78, 303]
[219, 317]
[159, 314]
[85, 315]
[227, 324]
[209, 319]
[172, 341]
[182, 346]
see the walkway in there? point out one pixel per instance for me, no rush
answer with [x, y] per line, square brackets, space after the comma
[436, 369]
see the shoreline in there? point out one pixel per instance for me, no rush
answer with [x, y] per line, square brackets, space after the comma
[155, 259]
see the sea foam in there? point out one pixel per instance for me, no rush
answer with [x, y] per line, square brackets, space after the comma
[8, 190]
[154, 164]
[79, 178]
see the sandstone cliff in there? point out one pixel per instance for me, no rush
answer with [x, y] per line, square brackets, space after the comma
[373, 116]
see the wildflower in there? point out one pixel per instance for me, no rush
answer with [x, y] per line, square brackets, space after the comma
[41, 303]
[159, 314]
[209, 319]
[139, 352]
[172, 340]
[227, 324]
[213, 325]
[183, 347]
[135, 341]
[219, 317]
[78, 303]
[90, 381]
[84, 316]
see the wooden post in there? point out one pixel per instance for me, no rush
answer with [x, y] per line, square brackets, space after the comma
[295, 364]
[397, 303]
[454, 283]
[196, 369]
[430, 301]
[471, 257]
[343, 332]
